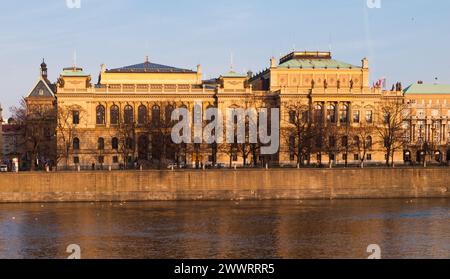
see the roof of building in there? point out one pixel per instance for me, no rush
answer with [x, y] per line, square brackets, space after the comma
[148, 67]
[233, 74]
[73, 72]
[42, 89]
[313, 60]
[421, 88]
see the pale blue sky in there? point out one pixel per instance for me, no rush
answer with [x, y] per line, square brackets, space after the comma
[405, 40]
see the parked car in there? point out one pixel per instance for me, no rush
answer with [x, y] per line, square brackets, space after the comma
[3, 168]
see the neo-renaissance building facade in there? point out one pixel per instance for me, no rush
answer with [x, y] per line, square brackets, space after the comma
[124, 118]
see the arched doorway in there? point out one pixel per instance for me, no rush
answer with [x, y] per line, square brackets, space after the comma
[438, 156]
[420, 156]
[407, 156]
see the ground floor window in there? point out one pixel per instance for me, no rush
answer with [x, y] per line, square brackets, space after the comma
[101, 159]
[115, 159]
[356, 157]
[344, 157]
[76, 160]
[369, 157]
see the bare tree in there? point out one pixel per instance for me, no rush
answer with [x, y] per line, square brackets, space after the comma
[390, 126]
[39, 123]
[362, 141]
[68, 119]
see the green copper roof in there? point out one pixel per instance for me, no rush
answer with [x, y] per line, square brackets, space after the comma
[316, 64]
[73, 72]
[233, 74]
[427, 89]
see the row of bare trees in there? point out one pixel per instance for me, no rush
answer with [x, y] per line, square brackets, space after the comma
[307, 132]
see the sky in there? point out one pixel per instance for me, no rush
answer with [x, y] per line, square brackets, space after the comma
[405, 40]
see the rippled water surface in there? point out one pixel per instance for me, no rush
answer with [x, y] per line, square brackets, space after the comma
[269, 229]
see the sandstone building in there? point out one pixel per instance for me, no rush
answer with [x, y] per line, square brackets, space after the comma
[124, 119]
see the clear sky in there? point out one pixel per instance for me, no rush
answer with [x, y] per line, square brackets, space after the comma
[405, 40]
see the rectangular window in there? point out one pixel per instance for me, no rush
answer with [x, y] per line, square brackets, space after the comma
[369, 157]
[356, 116]
[101, 159]
[344, 157]
[115, 159]
[369, 116]
[76, 160]
[356, 157]
[75, 117]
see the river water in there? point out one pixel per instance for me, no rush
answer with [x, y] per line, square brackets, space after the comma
[236, 230]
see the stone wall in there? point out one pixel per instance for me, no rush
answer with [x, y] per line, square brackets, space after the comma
[225, 185]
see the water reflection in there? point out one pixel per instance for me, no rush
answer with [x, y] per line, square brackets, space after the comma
[269, 229]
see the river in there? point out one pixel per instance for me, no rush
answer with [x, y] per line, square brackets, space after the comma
[228, 230]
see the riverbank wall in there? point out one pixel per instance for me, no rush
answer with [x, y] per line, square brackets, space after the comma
[190, 185]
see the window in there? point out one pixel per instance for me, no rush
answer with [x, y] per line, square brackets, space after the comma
[142, 115]
[168, 116]
[115, 159]
[76, 160]
[369, 142]
[128, 115]
[369, 116]
[101, 144]
[292, 116]
[356, 116]
[318, 113]
[100, 115]
[156, 115]
[76, 117]
[76, 144]
[369, 157]
[356, 157]
[115, 143]
[101, 159]
[344, 157]
[114, 115]
[344, 113]
[331, 114]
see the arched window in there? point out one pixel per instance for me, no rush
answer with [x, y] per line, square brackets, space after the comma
[115, 143]
[156, 114]
[344, 113]
[168, 116]
[142, 115]
[100, 115]
[76, 144]
[101, 144]
[128, 116]
[114, 115]
[369, 142]
[331, 113]
[318, 113]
